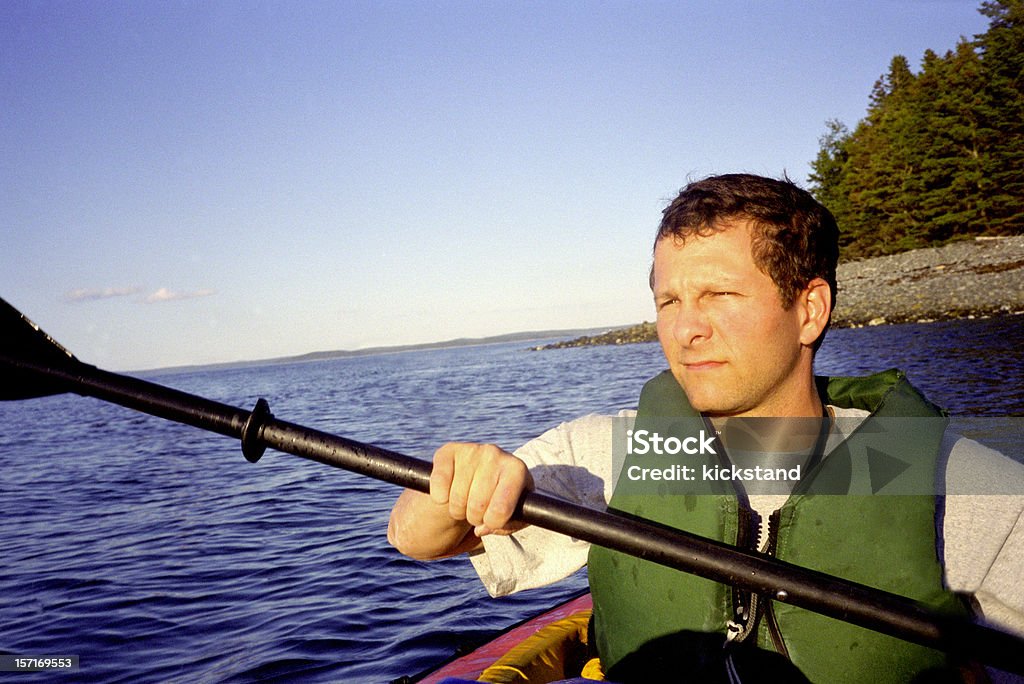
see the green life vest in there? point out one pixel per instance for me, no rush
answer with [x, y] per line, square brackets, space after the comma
[857, 514]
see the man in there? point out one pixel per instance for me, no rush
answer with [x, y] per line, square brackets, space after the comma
[744, 286]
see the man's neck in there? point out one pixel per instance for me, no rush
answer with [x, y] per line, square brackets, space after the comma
[796, 428]
[770, 435]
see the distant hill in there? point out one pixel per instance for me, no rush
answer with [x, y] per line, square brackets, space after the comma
[527, 336]
[447, 344]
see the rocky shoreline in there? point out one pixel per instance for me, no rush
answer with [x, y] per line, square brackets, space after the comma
[983, 277]
[968, 279]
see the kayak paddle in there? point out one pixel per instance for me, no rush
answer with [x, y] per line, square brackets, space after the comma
[32, 364]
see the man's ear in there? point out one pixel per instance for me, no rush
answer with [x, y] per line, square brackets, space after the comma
[815, 302]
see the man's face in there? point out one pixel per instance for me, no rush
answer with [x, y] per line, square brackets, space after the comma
[728, 340]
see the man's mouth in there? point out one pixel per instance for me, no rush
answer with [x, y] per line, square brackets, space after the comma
[697, 366]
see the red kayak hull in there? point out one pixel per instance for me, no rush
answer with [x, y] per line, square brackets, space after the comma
[472, 665]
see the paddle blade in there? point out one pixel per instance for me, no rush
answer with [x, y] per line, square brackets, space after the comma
[21, 340]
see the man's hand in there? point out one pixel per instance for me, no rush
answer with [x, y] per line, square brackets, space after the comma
[481, 484]
[474, 489]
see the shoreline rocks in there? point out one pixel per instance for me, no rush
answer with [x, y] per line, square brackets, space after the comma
[967, 279]
[642, 332]
[983, 277]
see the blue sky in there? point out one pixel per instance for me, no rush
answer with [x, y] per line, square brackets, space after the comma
[193, 182]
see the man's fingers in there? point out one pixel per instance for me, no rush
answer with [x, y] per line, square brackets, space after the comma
[442, 473]
[462, 483]
[508, 485]
[482, 508]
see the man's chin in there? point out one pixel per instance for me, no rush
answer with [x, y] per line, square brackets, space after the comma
[709, 406]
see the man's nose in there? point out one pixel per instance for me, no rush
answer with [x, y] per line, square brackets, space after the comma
[692, 324]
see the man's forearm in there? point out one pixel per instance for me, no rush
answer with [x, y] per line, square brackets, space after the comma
[424, 530]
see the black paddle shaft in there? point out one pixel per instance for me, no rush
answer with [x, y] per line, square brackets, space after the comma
[258, 429]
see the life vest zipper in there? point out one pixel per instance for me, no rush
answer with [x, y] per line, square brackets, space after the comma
[750, 608]
[768, 605]
[744, 603]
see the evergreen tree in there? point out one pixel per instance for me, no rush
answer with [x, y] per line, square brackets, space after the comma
[940, 154]
[1002, 106]
[828, 170]
[956, 144]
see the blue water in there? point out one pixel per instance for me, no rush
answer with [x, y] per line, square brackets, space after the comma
[156, 553]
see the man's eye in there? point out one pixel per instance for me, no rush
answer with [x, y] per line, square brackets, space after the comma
[666, 303]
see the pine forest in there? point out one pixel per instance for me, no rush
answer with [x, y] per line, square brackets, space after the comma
[939, 155]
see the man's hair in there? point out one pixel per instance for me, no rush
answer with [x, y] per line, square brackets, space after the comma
[794, 239]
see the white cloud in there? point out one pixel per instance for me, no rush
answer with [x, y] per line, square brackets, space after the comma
[88, 295]
[166, 295]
